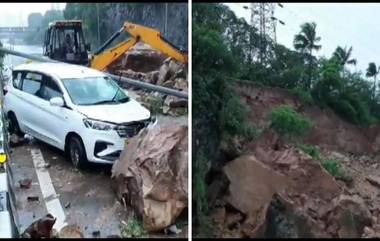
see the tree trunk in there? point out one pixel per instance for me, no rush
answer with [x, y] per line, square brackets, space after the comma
[310, 70]
[374, 87]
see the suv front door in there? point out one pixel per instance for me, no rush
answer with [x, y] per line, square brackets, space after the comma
[54, 118]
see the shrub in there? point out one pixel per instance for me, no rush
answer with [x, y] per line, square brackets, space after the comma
[133, 229]
[332, 166]
[287, 122]
[313, 151]
[303, 95]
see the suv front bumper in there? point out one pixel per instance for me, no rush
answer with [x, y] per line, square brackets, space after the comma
[106, 146]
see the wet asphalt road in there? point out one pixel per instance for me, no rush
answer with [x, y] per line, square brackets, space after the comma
[86, 196]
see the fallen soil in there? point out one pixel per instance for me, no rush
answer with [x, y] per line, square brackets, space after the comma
[276, 190]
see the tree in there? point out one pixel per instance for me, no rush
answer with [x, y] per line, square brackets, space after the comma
[305, 42]
[372, 71]
[35, 20]
[344, 55]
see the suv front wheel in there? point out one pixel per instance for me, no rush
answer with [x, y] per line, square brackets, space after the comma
[13, 126]
[77, 153]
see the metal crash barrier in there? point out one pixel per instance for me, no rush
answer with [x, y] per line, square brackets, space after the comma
[8, 226]
[123, 80]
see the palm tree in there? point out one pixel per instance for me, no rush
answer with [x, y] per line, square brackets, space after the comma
[372, 71]
[305, 42]
[343, 56]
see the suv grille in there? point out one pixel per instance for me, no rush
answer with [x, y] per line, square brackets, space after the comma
[131, 129]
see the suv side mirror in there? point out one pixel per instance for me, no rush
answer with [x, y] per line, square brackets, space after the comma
[57, 101]
[88, 47]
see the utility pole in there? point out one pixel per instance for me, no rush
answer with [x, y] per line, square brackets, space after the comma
[97, 9]
[262, 18]
[166, 19]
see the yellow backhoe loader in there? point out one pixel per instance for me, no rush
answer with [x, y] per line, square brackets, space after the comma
[57, 40]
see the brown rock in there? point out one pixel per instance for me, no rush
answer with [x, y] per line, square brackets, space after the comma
[172, 102]
[374, 180]
[143, 59]
[41, 228]
[181, 84]
[168, 84]
[218, 215]
[252, 184]
[163, 74]
[70, 231]
[233, 218]
[152, 77]
[151, 174]
[25, 183]
[351, 215]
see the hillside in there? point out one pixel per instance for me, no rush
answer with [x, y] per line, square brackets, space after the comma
[324, 184]
[285, 141]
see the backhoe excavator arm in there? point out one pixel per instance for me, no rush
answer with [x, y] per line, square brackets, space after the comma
[150, 36]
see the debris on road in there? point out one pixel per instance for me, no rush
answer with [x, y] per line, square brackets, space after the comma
[172, 230]
[67, 205]
[151, 174]
[96, 234]
[33, 198]
[70, 231]
[25, 183]
[42, 228]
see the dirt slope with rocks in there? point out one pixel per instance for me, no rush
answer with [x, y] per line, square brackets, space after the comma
[274, 189]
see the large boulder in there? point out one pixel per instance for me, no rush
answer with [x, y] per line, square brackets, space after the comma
[142, 58]
[41, 228]
[151, 174]
[252, 185]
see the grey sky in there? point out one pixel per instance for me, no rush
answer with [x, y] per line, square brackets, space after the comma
[344, 24]
[16, 14]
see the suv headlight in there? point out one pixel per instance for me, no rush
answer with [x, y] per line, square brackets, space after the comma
[98, 125]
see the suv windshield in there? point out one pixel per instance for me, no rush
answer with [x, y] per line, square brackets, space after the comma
[94, 90]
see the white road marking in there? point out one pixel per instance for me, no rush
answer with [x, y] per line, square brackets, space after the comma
[52, 203]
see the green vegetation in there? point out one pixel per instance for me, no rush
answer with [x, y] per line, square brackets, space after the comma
[332, 165]
[217, 112]
[288, 123]
[303, 95]
[87, 12]
[313, 151]
[133, 229]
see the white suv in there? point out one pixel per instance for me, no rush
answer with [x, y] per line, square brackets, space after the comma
[74, 108]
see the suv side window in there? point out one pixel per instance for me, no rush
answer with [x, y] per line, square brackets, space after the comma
[17, 79]
[32, 83]
[50, 89]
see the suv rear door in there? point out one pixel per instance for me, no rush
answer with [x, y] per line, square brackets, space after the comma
[28, 109]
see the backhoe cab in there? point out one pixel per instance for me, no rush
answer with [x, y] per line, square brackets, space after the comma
[64, 41]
